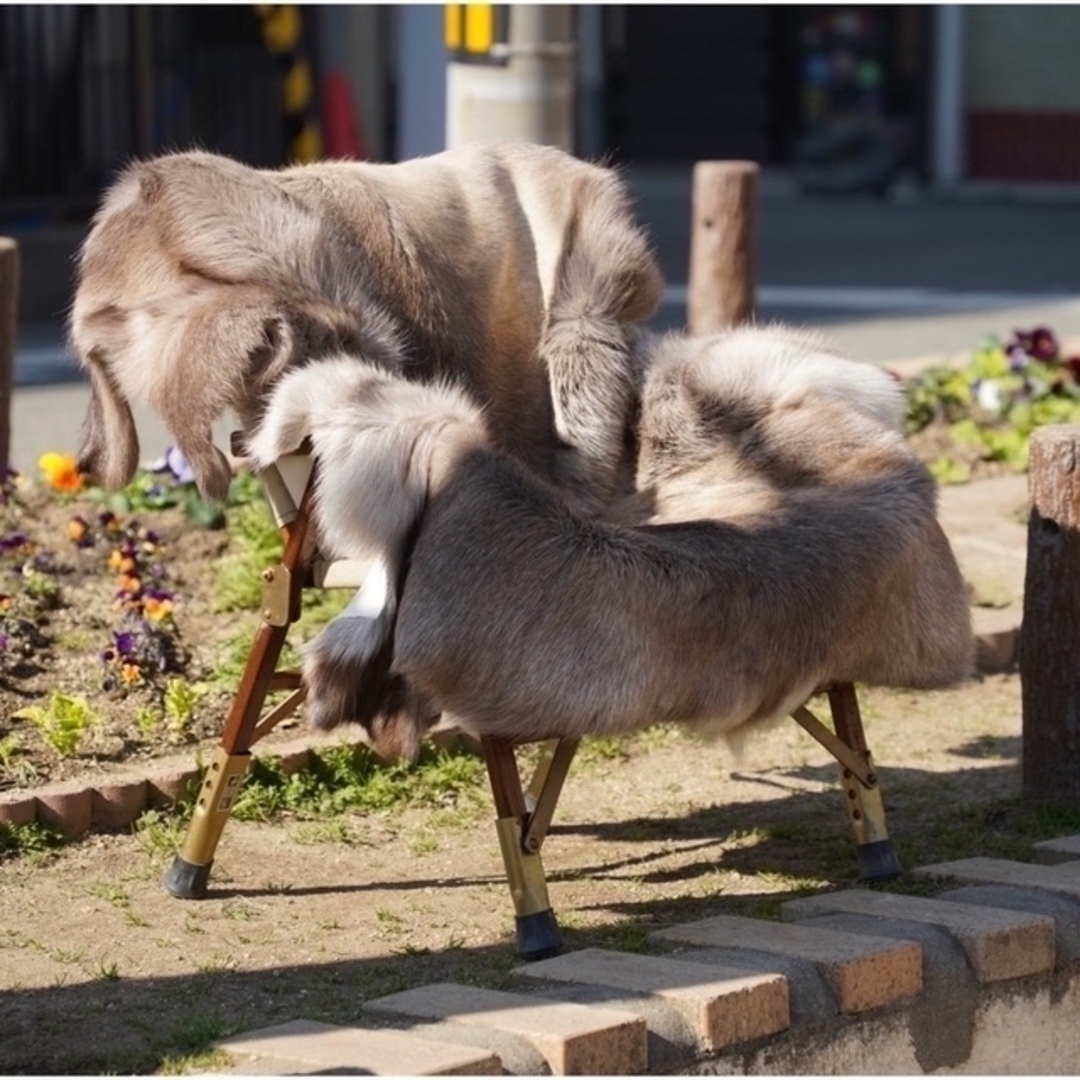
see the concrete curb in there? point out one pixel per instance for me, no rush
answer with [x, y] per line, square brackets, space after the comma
[994, 989]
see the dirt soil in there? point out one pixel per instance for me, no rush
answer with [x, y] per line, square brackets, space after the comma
[102, 971]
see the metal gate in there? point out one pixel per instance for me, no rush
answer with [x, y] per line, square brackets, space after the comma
[83, 89]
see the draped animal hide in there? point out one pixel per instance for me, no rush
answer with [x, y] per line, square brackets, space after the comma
[515, 272]
[782, 536]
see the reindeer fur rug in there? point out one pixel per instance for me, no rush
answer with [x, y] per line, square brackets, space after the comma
[781, 536]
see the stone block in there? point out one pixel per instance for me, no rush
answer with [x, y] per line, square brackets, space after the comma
[116, 803]
[723, 1005]
[573, 1039]
[863, 972]
[999, 944]
[322, 1048]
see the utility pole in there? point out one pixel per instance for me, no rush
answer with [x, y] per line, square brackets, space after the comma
[511, 73]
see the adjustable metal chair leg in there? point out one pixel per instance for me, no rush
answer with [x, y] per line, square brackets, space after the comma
[536, 929]
[866, 809]
[189, 874]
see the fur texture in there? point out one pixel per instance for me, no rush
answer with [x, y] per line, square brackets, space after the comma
[513, 271]
[790, 541]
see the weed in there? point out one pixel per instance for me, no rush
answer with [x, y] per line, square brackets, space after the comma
[207, 1061]
[237, 909]
[28, 839]
[66, 956]
[114, 894]
[389, 922]
[20, 771]
[217, 962]
[425, 844]
[160, 832]
[180, 700]
[628, 937]
[336, 831]
[107, 971]
[148, 719]
[189, 1048]
[63, 723]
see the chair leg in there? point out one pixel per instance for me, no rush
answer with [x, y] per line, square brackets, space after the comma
[189, 874]
[866, 809]
[536, 929]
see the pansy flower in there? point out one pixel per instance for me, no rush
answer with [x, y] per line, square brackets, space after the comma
[60, 471]
[79, 533]
[175, 466]
[157, 605]
[15, 544]
[1039, 344]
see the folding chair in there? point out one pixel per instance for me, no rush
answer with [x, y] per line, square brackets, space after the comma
[523, 814]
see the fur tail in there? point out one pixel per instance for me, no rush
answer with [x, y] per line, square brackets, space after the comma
[384, 445]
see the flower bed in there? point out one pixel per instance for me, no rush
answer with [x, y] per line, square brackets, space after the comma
[976, 420]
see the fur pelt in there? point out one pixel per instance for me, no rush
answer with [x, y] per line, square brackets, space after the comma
[788, 540]
[514, 271]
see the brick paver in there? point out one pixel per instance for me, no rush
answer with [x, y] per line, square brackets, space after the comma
[308, 1046]
[723, 1005]
[1063, 878]
[1000, 944]
[864, 972]
[573, 1039]
[1062, 849]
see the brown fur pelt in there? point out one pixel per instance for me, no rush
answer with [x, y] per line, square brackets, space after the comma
[788, 539]
[515, 272]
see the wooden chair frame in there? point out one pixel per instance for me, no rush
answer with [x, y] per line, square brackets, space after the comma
[522, 815]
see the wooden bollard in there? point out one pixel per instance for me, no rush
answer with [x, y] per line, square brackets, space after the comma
[1050, 633]
[722, 245]
[9, 317]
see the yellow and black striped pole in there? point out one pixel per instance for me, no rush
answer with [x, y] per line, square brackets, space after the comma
[282, 31]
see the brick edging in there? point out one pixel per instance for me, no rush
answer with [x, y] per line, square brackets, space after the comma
[113, 801]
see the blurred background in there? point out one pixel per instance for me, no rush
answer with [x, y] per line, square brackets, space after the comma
[920, 163]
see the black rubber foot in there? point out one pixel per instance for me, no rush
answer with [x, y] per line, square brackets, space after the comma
[878, 861]
[186, 880]
[538, 935]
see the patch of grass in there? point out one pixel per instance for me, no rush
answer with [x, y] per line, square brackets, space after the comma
[16, 840]
[337, 831]
[189, 1048]
[161, 832]
[630, 937]
[427, 843]
[186, 1064]
[113, 894]
[352, 778]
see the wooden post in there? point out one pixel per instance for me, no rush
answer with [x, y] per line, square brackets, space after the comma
[1050, 634]
[9, 318]
[722, 245]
